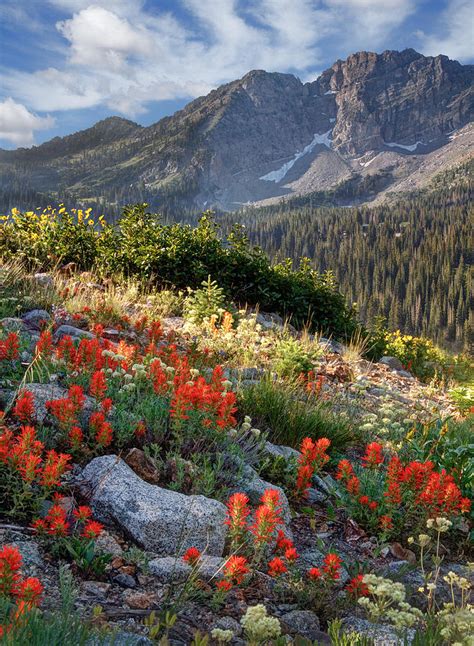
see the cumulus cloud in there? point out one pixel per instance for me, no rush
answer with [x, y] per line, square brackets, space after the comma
[122, 54]
[456, 33]
[17, 124]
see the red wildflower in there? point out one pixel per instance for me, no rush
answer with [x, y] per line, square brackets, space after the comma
[9, 348]
[55, 465]
[24, 408]
[92, 529]
[373, 455]
[373, 505]
[353, 485]
[303, 480]
[82, 513]
[45, 344]
[386, 523]
[106, 405]
[276, 567]
[98, 385]
[66, 350]
[344, 470]
[235, 569]
[291, 554]
[30, 591]
[283, 543]
[267, 517]
[155, 331]
[140, 430]
[332, 566]
[192, 556]
[10, 563]
[224, 585]
[237, 513]
[357, 588]
[313, 457]
[75, 437]
[314, 573]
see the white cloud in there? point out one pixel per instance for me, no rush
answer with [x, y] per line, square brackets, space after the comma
[124, 54]
[17, 124]
[456, 34]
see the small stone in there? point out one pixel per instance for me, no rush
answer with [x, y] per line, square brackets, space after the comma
[97, 589]
[125, 580]
[301, 622]
[44, 280]
[36, 319]
[73, 332]
[405, 374]
[229, 623]
[169, 569]
[11, 324]
[139, 600]
[107, 544]
[381, 634]
[391, 362]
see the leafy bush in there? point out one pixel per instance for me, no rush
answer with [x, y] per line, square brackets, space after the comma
[417, 354]
[277, 408]
[292, 359]
[180, 256]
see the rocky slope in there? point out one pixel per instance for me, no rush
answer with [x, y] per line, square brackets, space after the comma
[265, 136]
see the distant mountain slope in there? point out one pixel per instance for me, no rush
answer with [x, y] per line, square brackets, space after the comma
[392, 116]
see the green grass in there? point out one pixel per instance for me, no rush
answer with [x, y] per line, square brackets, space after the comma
[276, 408]
[20, 293]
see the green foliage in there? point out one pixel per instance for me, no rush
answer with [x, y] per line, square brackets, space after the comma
[417, 354]
[205, 302]
[280, 409]
[291, 358]
[463, 396]
[340, 638]
[180, 256]
[60, 627]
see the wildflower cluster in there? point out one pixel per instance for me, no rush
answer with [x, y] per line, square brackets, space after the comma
[25, 593]
[312, 459]
[28, 472]
[388, 495]
[10, 347]
[259, 627]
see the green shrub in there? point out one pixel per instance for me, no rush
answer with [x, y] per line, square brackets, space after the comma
[291, 358]
[180, 256]
[277, 409]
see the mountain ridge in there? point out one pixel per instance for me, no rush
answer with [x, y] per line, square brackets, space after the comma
[265, 136]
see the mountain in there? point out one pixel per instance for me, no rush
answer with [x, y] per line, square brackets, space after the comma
[388, 122]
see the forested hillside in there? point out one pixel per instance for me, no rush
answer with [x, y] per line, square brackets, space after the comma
[409, 262]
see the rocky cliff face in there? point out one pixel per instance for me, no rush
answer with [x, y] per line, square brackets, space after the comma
[267, 136]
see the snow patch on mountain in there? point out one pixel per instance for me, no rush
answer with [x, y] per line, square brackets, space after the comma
[411, 147]
[277, 175]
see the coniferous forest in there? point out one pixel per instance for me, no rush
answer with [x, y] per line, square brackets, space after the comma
[409, 262]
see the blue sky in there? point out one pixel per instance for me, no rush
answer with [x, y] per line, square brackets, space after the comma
[65, 64]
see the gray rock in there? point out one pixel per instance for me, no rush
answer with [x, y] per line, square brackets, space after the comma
[252, 485]
[36, 319]
[316, 496]
[301, 622]
[405, 374]
[159, 520]
[46, 392]
[125, 580]
[392, 362]
[228, 623]
[120, 639]
[331, 346]
[44, 280]
[279, 450]
[169, 569]
[12, 324]
[107, 544]
[73, 332]
[382, 634]
[30, 554]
